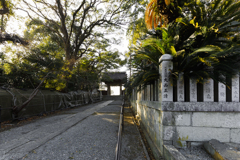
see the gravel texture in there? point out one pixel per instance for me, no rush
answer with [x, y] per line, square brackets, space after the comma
[234, 145]
[195, 153]
[17, 142]
[93, 138]
[111, 108]
[88, 133]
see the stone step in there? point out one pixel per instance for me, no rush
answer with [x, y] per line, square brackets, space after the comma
[221, 151]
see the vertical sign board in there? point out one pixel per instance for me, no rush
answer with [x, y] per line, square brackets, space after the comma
[166, 87]
[193, 90]
[208, 91]
[221, 92]
[235, 89]
[180, 88]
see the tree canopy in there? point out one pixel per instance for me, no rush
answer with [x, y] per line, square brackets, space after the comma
[75, 25]
[203, 38]
[70, 41]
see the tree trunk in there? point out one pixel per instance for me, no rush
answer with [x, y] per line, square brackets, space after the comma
[17, 109]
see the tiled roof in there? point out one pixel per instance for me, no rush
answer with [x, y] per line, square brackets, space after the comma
[114, 76]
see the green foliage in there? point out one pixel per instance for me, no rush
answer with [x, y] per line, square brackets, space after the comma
[26, 71]
[137, 28]
[204, 42]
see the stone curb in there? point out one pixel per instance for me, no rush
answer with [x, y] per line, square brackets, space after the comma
[171, 153]
[221, 151]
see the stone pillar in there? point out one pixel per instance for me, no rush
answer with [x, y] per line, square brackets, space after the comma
[148, 94]
[180, 88]
[101, 95]
[151, 89]
[155, 90]
[139, 95]
[208, 91]
[221, 92]
[166, 88]
[193, 90]
[235, 89]
[133, 95]
[108, 90]
[120, 89]
[142, 92]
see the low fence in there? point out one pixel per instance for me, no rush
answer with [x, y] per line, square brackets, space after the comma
[187, 114]
[45, 101]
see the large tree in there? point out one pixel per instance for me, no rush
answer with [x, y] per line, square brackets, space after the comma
[76, 25]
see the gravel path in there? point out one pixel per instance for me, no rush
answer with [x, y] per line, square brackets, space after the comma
[17, 142]
[93, 138]
[88, 133]
[195, 153]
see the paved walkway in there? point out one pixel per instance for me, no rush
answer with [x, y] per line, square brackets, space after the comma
[85, 133]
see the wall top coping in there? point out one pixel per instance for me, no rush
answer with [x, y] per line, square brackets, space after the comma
[166, 57]
[193, 106]
[201, 106]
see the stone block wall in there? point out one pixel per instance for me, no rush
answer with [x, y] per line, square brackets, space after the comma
[183, 124]
[148, 114]
[186, 127]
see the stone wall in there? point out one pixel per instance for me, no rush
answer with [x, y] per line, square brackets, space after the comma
[185, 125]
[189, 124]
[187, 114]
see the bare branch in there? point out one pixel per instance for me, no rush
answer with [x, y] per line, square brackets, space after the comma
[62, 19]
[50, 28]
[74, 16]
[12, 37]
